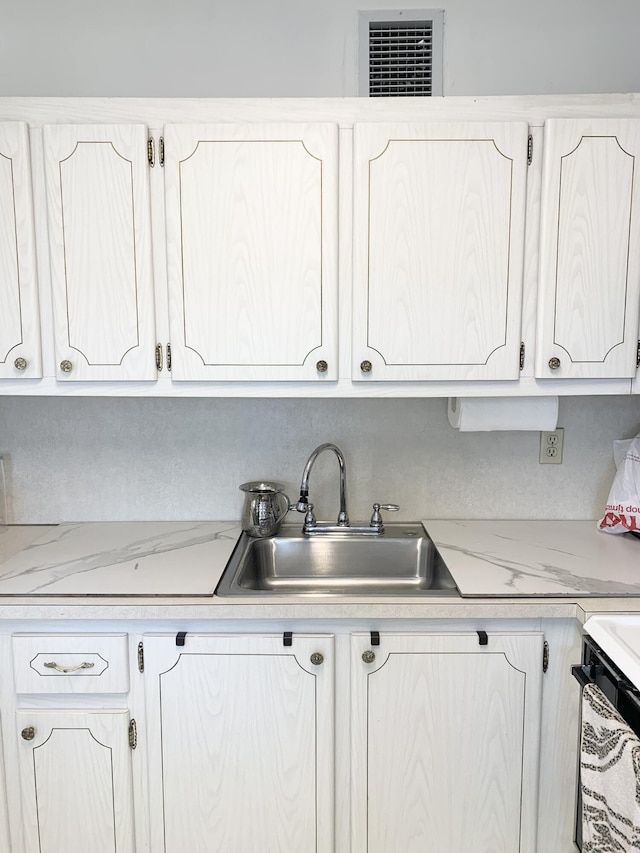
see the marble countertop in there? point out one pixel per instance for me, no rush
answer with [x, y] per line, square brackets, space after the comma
[169, 559]
[538, 558]
[166, 564]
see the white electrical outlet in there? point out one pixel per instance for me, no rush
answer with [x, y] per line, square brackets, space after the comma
[551, 447]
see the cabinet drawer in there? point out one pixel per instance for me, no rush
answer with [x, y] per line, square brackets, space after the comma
[70, 663]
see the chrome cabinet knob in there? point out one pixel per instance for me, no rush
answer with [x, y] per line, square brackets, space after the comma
[368, 656]
[366, 366]
[317, 658]
[28, 733]
[20, 363]
[554, 363]
[322, 366]
[66, 366]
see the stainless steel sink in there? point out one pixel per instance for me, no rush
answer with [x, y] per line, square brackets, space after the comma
[402, 561]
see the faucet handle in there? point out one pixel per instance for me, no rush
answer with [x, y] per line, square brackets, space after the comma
[376, 518]
[309, 519]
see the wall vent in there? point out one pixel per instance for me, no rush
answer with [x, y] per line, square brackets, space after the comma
[401, 53]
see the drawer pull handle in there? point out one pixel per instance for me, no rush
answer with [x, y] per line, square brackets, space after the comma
[58, 668]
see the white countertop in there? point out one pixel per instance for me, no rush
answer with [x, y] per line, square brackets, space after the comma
[152, 569]
[171, 559]
[534, 558]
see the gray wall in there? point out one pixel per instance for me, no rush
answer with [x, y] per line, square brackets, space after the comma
[305, 48]
[79, 459]
[84, 459]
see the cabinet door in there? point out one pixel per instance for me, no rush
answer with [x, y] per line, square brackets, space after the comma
[240, 732]
[20, 352]
[100, 243]
[75, 781]
[445, 737]
[252, 251]
[438, 250]
[589, 250]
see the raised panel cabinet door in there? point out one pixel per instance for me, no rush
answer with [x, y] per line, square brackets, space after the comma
[445, 742]
[76, 781]
[100, 243]
[438, 250]
[251, 212]
[240, 733]
[20, 350]
[589, 296]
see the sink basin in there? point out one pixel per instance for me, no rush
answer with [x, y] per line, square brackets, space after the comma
[402, 561]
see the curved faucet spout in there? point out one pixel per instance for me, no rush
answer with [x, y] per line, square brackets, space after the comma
[303, 504]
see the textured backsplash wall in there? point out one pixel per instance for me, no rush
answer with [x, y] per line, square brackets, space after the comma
[86, 459]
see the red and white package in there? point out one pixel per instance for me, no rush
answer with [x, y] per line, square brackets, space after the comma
[622, 513]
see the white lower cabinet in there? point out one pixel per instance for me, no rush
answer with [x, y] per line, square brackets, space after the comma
[353, 742]
[69, 740]
[76, 781]
[445, 742]
[240, 738]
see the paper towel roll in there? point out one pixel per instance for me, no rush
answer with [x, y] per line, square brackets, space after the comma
[486, 414]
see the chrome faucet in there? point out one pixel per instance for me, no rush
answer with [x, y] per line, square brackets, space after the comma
[343, 526]
[303, 505]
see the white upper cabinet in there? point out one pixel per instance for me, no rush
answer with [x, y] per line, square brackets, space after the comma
[589, 250]
[20, 351]
[438, 250]
[100, 242]
[252, 233]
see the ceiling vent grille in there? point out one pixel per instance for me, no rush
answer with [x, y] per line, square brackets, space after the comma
[404, 57]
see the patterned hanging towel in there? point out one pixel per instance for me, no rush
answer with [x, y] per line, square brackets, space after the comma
[609, 777]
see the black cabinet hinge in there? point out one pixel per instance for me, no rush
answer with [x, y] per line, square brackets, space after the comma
[180, 638]
[483, 639]
[375, 638]
[287, 638]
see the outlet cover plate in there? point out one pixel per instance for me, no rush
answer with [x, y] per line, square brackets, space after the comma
[551, 446]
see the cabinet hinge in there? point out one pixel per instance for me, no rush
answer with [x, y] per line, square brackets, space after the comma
[158, 357]
[522, 356]
[169, 357]
[529, 150]
[375, 638]
[545, 656]
[140, 657]
[287, 638]
[151, 152]
[638, 355]
[133, 733]
[161, 151]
